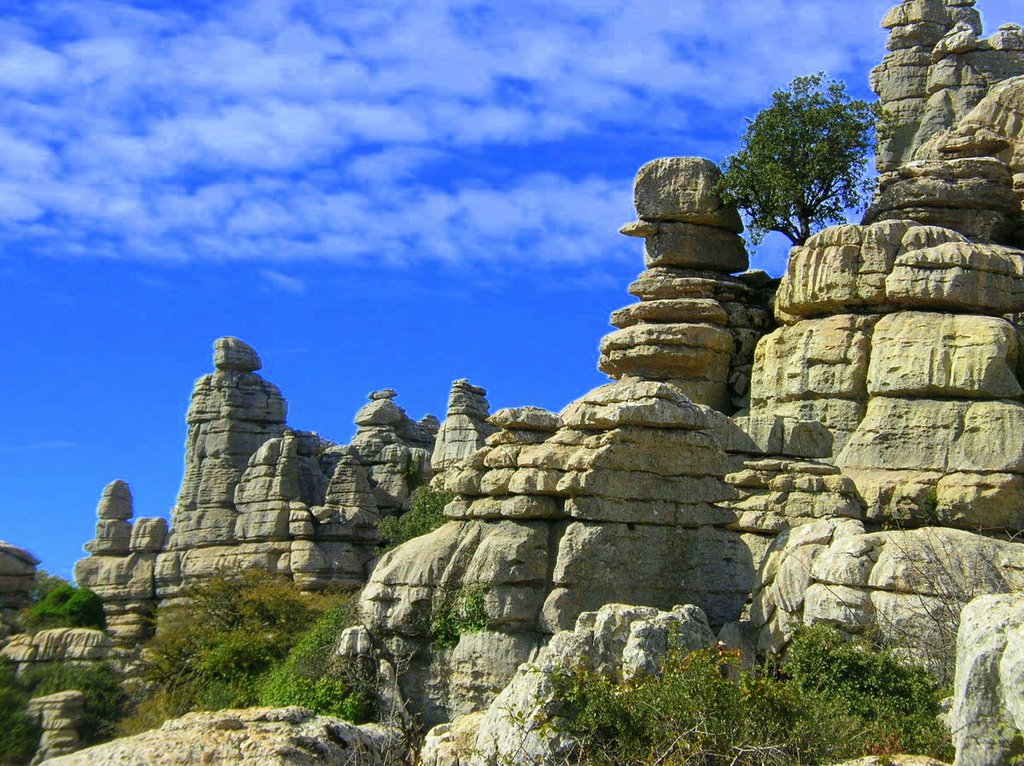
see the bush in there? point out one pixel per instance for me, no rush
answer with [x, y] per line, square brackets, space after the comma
[19, 736]
[456, 612]
[312, 678]
[216, 651]
[65, 606]
[425, 515]
[831, 701]
[898, 702]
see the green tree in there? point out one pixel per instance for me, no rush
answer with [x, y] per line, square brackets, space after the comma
[803, 160]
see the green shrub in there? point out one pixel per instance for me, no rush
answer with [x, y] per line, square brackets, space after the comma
[19, 735]
[100, 684]
[456, 612]
[44, 583]
[425, 514]
[312, 678]
[898, 702]
[831, 701]
[216, 651]
[65, 606]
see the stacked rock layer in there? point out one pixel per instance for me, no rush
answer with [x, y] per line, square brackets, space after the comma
[256, 494]
[465, 427]
[17, 579]
[696, 325]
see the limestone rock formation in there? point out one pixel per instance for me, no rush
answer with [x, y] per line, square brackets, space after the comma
[938, 69]
[252, 737]
[906, 586]
[619, 642]
[394, 449]
[77, 645]
[59, 716]
[120, 568]
[988, 702]
[695, 325]
[549, 515]
[17, 578]
[465, 426]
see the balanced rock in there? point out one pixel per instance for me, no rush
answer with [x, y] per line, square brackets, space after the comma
[235, 354]
[695, 324]
[252, 737]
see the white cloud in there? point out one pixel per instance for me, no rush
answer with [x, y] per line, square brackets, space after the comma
[280, 129]
[283, 282]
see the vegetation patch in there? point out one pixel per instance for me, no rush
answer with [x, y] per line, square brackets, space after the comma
[425, 515]
[62, 605]
[457, 612]
[702, 709]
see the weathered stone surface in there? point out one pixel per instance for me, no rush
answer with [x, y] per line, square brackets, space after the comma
[465, 427]
[59, 716]
[235, 354]
[17, 579]
[59, 645]
[693, 246]
[252, 737]
[682, 189]
[908, 586]
[116, 502]
[618, 641]
[987, 704]
[922, 354]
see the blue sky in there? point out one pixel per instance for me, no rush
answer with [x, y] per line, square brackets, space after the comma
[374, 194]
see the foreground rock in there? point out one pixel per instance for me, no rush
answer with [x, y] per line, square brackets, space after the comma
[988, 702]
[618, 641]
[252, 737]
[59, 716]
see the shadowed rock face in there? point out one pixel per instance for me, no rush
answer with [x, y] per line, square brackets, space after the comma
[696, 325]
[17, 578]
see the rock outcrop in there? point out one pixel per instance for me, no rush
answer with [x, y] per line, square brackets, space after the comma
[74, 645]
[395, 451]
[695, 325]
[59, 716]
[17, 579]
[619, 642]
[939, 67]
[121, 565]
[256, 494]
[894, 337]
[630, 478]
[252, 737]
[988, 701]
[465, 426]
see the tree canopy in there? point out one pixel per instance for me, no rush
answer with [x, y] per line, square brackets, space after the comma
[803, 160]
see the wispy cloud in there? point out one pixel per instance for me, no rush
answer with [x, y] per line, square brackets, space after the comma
[283, 130]
[38, 446]
[283, 282]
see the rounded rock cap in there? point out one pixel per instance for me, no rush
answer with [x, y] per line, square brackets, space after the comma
[234, 354]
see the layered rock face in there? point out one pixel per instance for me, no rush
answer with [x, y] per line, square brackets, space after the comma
[75, 645]
[59, 716]
[938, 69]
[895, 339]
[121, 565]
[256, 494]
[17, 578]
[465, 426]
[394, 449]
[696, 325]
[946, 159]
[621, 498]
[252, 737]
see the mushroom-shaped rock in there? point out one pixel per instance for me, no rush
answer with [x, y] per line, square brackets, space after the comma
[115, 502]
[234, 354]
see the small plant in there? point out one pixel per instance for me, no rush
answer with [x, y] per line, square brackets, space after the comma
[425, 515]
[312, 678]
[457, 612]
[64, 606]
